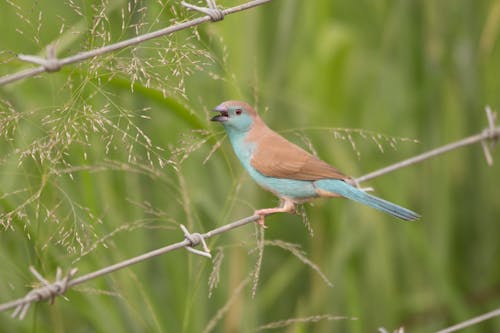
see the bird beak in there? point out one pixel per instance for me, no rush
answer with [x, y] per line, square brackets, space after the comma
[223, 116]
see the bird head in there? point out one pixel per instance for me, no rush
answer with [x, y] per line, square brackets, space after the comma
[235, 115]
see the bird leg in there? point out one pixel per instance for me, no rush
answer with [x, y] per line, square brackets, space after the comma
[287, 206]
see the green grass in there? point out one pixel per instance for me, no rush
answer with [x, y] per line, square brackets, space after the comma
[103, 160]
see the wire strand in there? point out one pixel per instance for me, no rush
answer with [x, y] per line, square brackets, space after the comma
[52, 64]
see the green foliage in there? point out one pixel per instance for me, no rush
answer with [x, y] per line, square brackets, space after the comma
[102, 161]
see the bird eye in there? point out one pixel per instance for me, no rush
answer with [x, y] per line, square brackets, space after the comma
[238, 111]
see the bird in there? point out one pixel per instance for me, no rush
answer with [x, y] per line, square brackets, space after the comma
[292, 174]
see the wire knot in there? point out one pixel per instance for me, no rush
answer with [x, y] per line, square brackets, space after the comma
[195, 239]
[50, 64]
[211, 10]
[47, 291]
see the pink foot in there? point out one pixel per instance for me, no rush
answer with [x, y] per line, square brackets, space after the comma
[287, 207]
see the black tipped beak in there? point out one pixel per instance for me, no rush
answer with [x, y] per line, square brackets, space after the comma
[223, 116]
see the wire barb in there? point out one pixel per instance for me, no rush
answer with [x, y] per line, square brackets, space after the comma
[195, 239]
[50, 64]
[47, 291]
[490, 135]
[211, 10]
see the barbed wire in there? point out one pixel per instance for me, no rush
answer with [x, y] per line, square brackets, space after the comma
[52, 64]
[61, 285]
[488, 134]
[48, 291]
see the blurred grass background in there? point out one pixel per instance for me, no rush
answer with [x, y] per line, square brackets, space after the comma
[101, 162]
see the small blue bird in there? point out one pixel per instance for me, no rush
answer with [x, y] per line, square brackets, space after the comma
[287, 170]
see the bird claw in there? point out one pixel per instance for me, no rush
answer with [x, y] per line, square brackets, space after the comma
[287, 207]
[261, 220]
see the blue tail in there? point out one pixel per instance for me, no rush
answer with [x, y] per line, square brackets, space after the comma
[346, 190]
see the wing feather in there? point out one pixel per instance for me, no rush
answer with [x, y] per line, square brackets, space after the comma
[275, 156]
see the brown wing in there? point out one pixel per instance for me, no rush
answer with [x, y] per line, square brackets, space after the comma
[277, 157]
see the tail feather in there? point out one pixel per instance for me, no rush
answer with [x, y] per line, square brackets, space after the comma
[344, 189]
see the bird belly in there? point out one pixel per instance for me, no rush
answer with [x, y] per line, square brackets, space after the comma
[296, 190]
